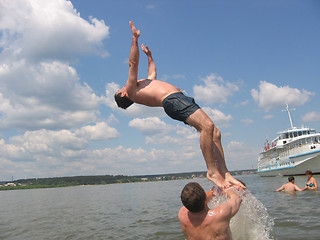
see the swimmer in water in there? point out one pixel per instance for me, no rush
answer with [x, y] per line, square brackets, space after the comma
[290, 187]
[198, 222]
[156, 93]
[312, 182]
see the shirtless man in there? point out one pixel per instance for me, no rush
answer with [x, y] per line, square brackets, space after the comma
[290, 187]
[155, 93]
[198, 222]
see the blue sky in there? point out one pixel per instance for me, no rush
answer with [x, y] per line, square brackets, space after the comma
[62, 61]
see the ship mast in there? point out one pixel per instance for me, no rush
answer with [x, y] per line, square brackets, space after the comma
[288, 110]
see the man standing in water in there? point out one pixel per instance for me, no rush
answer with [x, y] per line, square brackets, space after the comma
[198, 221]
[155, 93]
[290, 187]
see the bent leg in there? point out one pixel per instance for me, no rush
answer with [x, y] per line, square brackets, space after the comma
[211, 147]
[222, 167]
[211, 152]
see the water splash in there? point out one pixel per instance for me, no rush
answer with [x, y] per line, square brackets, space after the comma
[252, 221]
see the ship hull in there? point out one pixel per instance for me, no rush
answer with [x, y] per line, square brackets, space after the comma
[311, 163]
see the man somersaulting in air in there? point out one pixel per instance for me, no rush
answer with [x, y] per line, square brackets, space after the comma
[155, 93]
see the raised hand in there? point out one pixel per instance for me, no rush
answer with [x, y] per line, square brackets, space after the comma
[135, 32]
[146, 50]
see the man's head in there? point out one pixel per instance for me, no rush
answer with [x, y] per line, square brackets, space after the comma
[122, 100]
[291, 179]
[193, 197]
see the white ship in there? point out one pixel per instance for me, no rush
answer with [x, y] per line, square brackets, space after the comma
[292, 152]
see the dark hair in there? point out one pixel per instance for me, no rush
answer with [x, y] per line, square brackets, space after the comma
[193, 197]
[308, 172]
[122, 102]
[290, 178]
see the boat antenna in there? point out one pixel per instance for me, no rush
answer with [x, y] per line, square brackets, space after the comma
[288, 110]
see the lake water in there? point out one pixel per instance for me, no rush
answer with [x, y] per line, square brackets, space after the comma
[149, 211]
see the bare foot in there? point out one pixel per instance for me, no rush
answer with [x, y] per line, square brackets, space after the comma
[230, 179]
[218, 180]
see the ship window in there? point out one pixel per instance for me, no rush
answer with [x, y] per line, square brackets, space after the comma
[308, 140]
[291, 135]
[282, 136]
[295, 134]
[300, 133]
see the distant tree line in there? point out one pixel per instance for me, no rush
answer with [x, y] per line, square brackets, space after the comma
[101, 180]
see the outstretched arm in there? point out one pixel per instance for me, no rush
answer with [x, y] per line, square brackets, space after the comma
[133, 62]
[234, 200]
[298, 189]
[228, 209]
[280, 189]
[152, 71]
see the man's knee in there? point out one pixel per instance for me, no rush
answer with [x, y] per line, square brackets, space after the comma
[209, 126]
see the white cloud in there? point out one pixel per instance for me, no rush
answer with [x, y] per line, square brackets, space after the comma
[38, 88]
[150, 6]
[269, 116]
[214, 90]
[187, 132]
[39, 30]
[247, 121]
[150, 125]
[311, 117]
[112, 119]
[111, 89]
[162, 140]
[44, 95]
[41, 92]
[244, 103]
[169, 78]
[100, 131]
[239, 155]
[182, 136]
[219, 118]
[138, 110]
[235, 146]
[47, 141]
[269, 96]
[51, 153]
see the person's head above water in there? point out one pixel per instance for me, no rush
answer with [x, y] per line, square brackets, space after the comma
[193, 197]
[308, 172]
[290, 178]
[122, 100]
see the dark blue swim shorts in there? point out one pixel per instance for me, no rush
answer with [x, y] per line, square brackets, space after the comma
[179, 106]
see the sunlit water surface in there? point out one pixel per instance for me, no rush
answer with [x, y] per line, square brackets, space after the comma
[149, 211]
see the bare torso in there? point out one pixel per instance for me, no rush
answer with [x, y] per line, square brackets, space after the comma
[208, 225]
[152, 92]
[289, 187]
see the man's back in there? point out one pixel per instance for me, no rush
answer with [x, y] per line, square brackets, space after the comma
[289, 187]
[206, 225]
